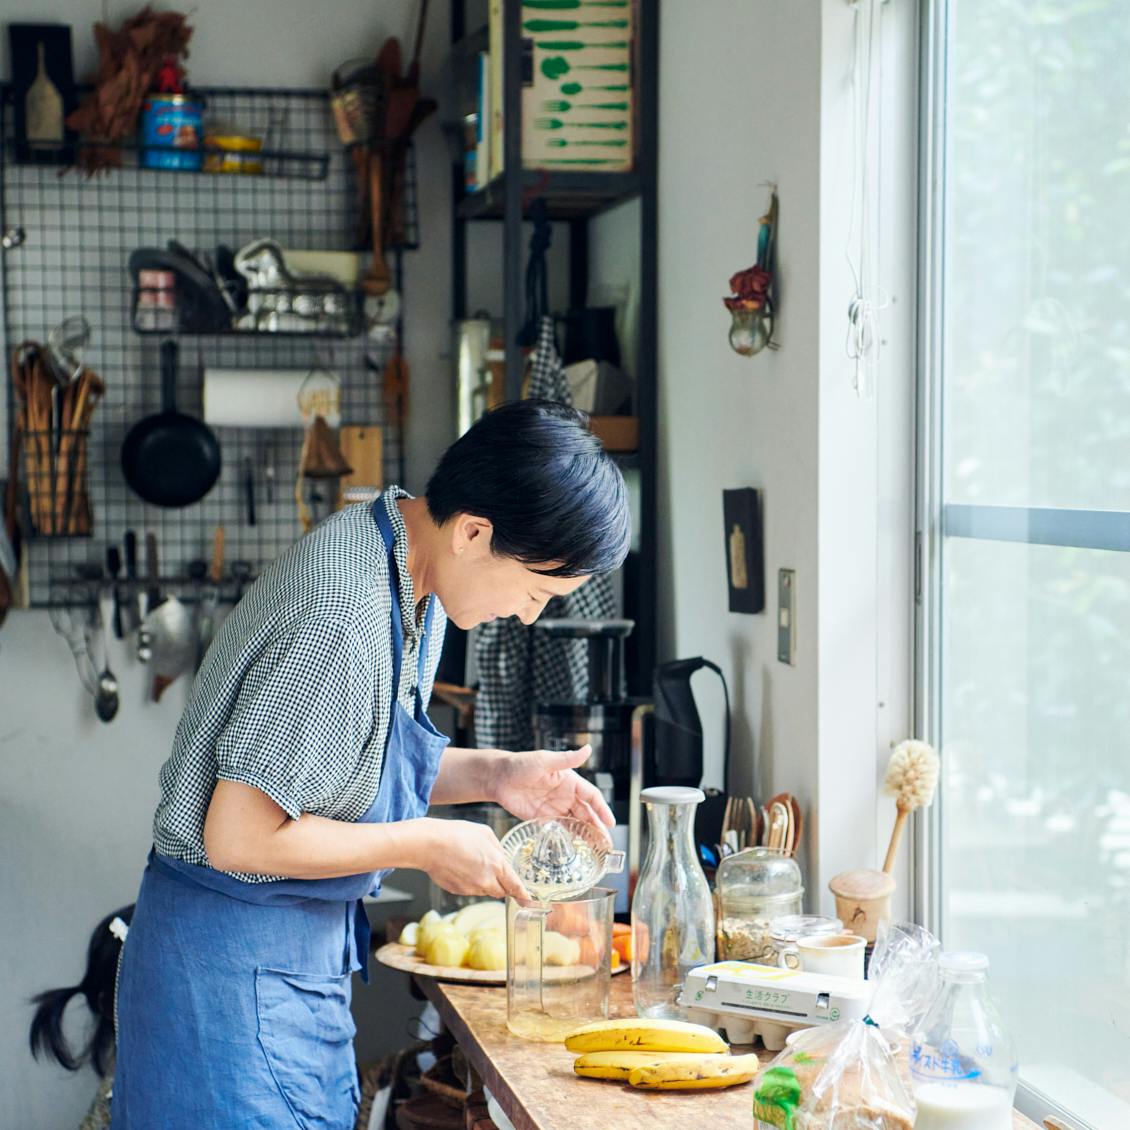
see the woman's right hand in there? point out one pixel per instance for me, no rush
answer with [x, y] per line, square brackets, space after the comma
[465, 858]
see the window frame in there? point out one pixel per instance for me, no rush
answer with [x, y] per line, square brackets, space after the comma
[933, 520]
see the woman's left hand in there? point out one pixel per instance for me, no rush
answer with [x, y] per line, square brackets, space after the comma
[542, 784]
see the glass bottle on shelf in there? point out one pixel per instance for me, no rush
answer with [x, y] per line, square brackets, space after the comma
[672, 911]
[962, 1061]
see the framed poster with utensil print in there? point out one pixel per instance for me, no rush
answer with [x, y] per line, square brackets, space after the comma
[43, 92]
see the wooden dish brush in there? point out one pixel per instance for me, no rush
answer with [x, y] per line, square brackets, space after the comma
[912, 779]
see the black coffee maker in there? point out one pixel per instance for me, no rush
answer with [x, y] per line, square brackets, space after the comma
[609, 721]
[636, 742]
[604, 719]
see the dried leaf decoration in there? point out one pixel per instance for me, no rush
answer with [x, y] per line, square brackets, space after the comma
[129, 61]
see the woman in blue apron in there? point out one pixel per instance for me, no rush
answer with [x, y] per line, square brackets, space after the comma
[305, 762]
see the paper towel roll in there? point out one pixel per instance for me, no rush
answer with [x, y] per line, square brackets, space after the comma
[342, 265]
[253, 398]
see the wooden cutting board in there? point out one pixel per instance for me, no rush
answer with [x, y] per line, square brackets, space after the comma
[363, 448]
[396, 956]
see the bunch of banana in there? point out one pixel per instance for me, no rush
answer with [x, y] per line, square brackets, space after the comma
[658, 1055]
[618, 1065]
[642, 1035]
[695, 1072]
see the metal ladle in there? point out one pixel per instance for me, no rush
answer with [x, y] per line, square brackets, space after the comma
[106, 700]
[78, 619]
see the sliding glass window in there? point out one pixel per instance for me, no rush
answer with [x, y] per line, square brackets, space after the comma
[1026, 516]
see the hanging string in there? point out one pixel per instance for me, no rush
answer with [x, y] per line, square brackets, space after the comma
[868, 297]
[860, 251]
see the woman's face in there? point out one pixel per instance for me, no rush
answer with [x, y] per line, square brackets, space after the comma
[475, 585]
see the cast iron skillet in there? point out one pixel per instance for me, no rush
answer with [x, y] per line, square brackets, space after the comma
[170, 459]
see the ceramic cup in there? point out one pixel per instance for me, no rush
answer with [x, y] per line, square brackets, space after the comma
[838, 955]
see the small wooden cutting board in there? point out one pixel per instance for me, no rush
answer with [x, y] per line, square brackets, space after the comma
[363, 448]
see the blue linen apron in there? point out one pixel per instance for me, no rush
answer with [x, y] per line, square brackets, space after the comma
[233, 997]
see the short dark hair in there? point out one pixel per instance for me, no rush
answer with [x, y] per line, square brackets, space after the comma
[543, 480]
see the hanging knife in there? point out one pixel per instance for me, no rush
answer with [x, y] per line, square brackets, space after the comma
[114, 565]
[131, 610]
[152, 598]
[206, 628]
[153, 595]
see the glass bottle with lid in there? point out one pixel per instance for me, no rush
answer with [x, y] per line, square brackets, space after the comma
[962, 1061]
[754, 887]
[672, 912]
[786, 931]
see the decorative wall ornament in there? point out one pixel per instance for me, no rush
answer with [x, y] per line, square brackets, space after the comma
[753, 303]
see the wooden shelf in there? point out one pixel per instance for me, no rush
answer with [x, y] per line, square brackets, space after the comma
[568, 195]
[574, 197]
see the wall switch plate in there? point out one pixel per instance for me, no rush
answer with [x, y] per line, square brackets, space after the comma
[786, 616]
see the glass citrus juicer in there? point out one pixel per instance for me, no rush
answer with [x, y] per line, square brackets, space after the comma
[558, 944]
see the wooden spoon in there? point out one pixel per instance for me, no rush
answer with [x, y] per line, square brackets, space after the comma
[778, 825]
[786, 802]
[90, 392]
[797, 820]
[396, 390]
[377, 278]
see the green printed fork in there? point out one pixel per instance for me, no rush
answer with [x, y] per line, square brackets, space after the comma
[608, 143]
[557, 123]
[537, 26]
[560, 106]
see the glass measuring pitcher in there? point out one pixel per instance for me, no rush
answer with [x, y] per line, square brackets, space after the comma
[558, 967]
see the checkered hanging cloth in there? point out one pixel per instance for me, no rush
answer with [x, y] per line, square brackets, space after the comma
[518, 666]
[547, 374]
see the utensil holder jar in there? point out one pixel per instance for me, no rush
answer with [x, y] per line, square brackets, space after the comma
[55, 476]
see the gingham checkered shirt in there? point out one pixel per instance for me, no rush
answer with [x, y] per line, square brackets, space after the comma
[294, 695]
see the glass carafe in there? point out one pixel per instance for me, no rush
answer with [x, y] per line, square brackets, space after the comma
[962, 1061]
[558, 963]
[672, 912]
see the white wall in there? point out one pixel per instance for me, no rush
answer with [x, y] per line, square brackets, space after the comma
[866, 466]
[764, 95]
[740, 105]
[77, 797]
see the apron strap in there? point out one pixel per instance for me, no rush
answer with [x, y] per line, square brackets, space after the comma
[380, 516]
[361, 929]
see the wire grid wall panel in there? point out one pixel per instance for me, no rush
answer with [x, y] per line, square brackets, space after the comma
[79, 235]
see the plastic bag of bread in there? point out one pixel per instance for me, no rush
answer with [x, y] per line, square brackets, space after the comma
[841, 1077]
[851, 1075]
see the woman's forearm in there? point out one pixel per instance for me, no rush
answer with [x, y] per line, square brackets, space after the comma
[246, 831]
[465, 776]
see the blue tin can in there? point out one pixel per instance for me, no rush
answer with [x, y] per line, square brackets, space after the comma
[171, 132]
